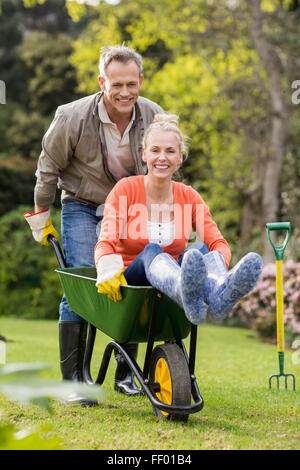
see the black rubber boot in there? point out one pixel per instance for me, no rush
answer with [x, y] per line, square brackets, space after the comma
[72, 343]
[124, 377]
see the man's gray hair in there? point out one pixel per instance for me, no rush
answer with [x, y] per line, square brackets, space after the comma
[120, 53]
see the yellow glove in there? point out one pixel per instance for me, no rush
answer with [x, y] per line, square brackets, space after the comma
[41, 226]
[112, 287]
[110, 276]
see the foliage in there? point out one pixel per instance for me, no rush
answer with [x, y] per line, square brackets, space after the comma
[208, 70]
[26, 132]
[11, 37]
[37, 73]
[218, 158]
[28, 439]
[50, 81]
[27, 384]
[16, 188]
[258, 309]
[51, 78]
[24, 383]
[29, 287]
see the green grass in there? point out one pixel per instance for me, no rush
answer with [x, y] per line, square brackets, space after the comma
[232, 370]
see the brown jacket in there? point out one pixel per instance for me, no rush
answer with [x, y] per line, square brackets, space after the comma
[74, 153]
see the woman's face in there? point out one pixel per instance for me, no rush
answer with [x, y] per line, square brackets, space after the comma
[162, 154]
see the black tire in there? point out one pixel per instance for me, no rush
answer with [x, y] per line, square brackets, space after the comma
[171, 357]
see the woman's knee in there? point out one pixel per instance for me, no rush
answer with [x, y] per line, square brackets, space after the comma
[153, 248]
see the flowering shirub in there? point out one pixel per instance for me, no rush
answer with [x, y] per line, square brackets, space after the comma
[258, 309]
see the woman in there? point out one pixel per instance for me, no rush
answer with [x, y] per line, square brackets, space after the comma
[145, 230]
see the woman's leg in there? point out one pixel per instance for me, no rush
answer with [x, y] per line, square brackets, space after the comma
[194, 246]
[154, 267]
[223, 288]
[135, 273]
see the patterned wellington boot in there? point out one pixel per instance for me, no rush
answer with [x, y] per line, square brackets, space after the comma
[178, 283]
[224, 288]
[193, 279]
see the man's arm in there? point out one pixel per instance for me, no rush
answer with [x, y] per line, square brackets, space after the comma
[57, 150]
[55, 155]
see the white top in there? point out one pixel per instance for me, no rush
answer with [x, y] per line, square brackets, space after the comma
[120, 161]
[162, 233]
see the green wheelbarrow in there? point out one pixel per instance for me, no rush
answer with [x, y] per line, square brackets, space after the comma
[143, 316]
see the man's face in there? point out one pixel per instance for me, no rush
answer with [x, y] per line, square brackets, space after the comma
[121, 87]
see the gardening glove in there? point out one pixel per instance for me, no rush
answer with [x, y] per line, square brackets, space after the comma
[110, 276]
[41, 226]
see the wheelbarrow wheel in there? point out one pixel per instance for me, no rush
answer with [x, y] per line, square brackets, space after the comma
[169, 369]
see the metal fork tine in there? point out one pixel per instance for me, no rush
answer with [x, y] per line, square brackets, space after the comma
[277, 376]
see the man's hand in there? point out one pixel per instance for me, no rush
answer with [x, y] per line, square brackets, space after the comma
[41, 226]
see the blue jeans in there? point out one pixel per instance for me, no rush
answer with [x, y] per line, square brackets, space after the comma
[80, 227]
[135, 273]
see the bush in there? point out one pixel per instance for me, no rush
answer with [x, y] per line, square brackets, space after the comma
[29, 287]
[258, 309]
[16, 188]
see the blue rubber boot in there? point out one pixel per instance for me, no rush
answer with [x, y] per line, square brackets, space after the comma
[223, 288]
[193, 280]
[164, 274]
[180, 283]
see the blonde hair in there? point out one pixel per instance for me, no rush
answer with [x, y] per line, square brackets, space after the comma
[167, 122]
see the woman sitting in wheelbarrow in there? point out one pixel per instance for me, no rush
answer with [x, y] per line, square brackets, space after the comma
[145, 230]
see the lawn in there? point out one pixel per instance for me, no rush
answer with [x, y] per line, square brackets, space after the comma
[232, 370]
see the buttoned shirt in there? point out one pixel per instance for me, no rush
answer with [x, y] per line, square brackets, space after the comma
[119, 157]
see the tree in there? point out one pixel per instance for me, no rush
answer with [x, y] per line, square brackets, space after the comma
[279, 115]
[203, 70]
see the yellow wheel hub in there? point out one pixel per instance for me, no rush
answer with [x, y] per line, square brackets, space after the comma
[163, 377]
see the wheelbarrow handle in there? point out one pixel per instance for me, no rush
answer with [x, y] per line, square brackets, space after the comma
[58, 251]
[279, 249]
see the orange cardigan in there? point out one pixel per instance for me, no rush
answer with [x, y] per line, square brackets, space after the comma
[124, 225]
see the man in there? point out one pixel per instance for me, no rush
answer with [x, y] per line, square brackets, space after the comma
[91, 144]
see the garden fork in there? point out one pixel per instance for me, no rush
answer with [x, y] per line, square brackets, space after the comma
[279, 252]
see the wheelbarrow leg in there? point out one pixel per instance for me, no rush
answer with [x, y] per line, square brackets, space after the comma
[114, 345]
[191, 362]
[151, 335]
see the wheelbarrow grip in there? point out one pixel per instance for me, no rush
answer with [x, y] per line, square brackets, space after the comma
[58, 251]
[271, 226]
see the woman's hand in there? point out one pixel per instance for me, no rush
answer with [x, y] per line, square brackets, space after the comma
[112, 287]
[110, 276]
